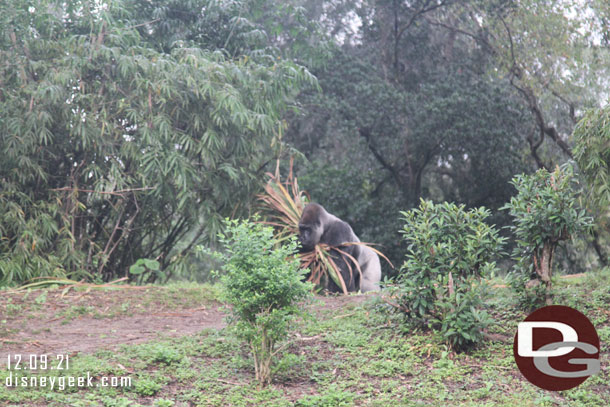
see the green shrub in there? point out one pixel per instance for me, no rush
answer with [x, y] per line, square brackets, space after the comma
[263, 283]
[439, 286]
[545, 212]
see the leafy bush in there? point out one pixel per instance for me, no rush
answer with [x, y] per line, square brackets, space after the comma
[439, 286]
[263, 284]
[546, 212]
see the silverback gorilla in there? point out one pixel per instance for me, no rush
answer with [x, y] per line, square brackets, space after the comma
[318, 226]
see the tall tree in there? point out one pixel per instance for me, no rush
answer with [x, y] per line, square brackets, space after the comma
[446, 99]
[553, 54]
[407, 113]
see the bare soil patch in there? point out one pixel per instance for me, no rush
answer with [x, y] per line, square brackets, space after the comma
[53, 322]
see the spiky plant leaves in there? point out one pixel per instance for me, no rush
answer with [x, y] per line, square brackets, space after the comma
[283, 203]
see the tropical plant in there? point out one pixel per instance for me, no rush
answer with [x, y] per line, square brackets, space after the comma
[263, 284]
[440, 285]
[283, 203]
[545, 212]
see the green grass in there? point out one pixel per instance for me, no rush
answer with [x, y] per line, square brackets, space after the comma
[355, 356]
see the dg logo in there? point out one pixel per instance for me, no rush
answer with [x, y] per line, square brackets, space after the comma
[556, 348]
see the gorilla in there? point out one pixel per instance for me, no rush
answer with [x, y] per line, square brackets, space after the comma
[318, 226]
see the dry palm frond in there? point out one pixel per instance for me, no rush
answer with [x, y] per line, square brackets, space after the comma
[284, 203]
[322, 265]
[68, 284]
[370, 246]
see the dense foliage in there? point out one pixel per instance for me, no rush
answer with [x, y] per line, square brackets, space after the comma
[131, 128]
[385, 143]
[592, 152]
[443, 100]
[116, 148]
[439, 285]
[263, 284]
[545, 212]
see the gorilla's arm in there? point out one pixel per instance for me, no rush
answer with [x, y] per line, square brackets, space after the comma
[371, 269]
[335, 234]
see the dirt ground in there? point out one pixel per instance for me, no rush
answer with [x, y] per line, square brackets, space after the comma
[86, 322]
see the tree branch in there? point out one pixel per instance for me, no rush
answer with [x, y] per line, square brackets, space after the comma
[366, 134]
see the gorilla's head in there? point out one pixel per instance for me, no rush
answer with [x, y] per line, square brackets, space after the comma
[311, 226]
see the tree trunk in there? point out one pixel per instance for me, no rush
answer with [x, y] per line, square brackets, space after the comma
[603, 257]
[544, 269]
[263, 357]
